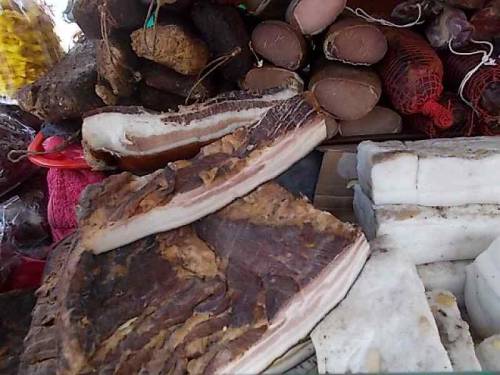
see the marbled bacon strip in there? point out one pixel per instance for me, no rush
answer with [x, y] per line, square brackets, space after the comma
[125, 208]
[131, 138]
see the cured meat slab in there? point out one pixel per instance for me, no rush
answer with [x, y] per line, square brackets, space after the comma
[228, 294]
[429, 234]
[125, 208]
[454, 331]
[435, 172]
[383, 325]
[448, 276]
[134, 139]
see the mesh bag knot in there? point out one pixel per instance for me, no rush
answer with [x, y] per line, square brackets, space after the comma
[476, 88]
[412, 74]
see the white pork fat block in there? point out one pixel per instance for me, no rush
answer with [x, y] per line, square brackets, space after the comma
[454, 331]
[435, 172]
[384, 324]
[429, 234]
[488, 353]
[448, 276]
[482, 292]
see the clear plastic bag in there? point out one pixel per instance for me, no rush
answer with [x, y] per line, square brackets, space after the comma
[29, 46]
[14, 135]
[24, 228]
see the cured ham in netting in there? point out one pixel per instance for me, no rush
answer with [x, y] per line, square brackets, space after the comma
[412, 75]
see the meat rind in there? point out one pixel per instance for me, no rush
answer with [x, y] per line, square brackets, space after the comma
[125, 208]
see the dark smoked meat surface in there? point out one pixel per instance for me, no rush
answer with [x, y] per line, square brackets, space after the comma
[15, 317]
[187, 301]
[119, 198]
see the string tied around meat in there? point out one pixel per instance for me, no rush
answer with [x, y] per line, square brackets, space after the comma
[260, 62]
[367, 17]
[211, 67]
[486, 60]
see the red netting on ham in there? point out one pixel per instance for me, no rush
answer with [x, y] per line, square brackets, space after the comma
[475, 91]
[461, 119]
[412, 74]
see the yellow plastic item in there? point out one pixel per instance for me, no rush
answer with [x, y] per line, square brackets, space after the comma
[29, 46]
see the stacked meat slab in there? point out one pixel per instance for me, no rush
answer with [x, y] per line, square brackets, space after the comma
[201, 266]
[434, 204]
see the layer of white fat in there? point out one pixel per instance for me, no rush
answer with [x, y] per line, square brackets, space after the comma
[296, 320]
[112, 132]
[482, 292]
[443, 172]
[190, 206]
[389, 173]
[383, 325]
[429, 234]
[454, 331]
[445, 276]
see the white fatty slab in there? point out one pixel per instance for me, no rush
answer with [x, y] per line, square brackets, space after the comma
[429, 234]
[445, 276]
[454, 331]
[384, 324]
[488, 353]
[482, 292]
[436, 172]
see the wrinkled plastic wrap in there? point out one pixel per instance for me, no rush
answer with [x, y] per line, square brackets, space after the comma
[13, 136]
[29, 46]
[24, 229]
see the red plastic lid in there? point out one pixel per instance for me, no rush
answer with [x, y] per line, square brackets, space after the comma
[70, 158]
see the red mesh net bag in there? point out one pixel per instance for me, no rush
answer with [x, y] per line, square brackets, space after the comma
[412, 74]
[482, 90]
[461, 119]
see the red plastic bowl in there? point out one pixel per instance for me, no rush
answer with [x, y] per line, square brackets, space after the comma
[51, 162]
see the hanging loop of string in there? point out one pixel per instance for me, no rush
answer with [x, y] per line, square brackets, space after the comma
[212, 66]
[15, 156]
[486, 60]
[260, 62]
[155, 16]
[104, 24]
[364, 15]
